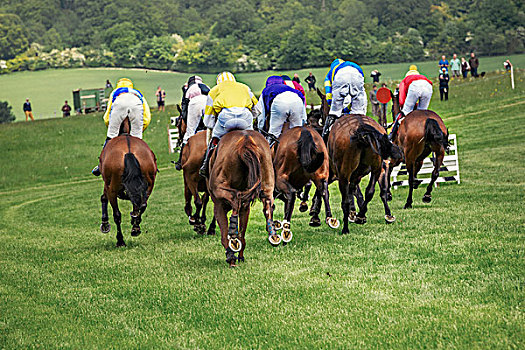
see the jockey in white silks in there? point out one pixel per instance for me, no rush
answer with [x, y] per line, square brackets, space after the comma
[125, 102]
[196, 96]
[228, 107]
[278, 104]
[342, 80]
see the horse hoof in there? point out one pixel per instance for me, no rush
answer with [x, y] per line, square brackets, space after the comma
[210, 232]
[332, 222]
[274, 240]
[192, 220]
[315, 222]
[407, 206]
[390, 219]
[345, 232]
[135, 231]
[360, 220]
[240, 259]
[277, 224]
[200, 229]
[234, 244]
[303, 207]
[352, 216]
[427, 198]
[105, 227]
[121, 244]
[287, 233]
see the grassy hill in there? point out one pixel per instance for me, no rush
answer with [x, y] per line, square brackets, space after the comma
[49, 88]
[445, 275]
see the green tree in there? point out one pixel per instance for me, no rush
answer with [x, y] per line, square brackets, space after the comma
[6, 114]
[13, 38]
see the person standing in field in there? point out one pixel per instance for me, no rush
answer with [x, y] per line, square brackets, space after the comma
[464, 67]
[310, 80]
[66, 110]
[28, 111]
[375, 76]
[125, 102]
[384, 106]
[376, 109]
[161, 98]
[455, 66]
[443, 63]
[474, 64]
[414, 88]
[344, 79]
[443, 84]
[296, 78]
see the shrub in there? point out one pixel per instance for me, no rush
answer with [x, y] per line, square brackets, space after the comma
[6, 115]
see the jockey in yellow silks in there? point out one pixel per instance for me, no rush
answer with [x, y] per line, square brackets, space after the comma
[125, 102]
[228, 107]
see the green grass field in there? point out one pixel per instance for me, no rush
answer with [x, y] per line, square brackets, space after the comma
[445, 275]
[48, 89]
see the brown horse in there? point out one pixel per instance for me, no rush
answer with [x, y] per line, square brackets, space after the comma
[301, 157]
[357, 146]
[192, 156]
[419, 133]
[240, 171]
[128, 167]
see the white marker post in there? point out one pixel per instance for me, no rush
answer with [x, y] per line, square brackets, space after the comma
[512, 76]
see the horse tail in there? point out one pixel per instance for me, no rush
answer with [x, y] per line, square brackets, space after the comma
[433, 133]
[368, 136]
[310, 157]
[248, 155]
[133, 180]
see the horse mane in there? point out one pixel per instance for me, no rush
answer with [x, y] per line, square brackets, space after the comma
[433, 133]
[307, 152]
[247, 151]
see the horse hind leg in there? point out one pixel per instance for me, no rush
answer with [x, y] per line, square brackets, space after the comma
[243, 224]
[105, 227]
[410, 169]
[438, 160]
[117, 217]
[273, 237]
[331, 221]
[136, 219]
[315, 209]
[304, 197]
[288, 210]
[222, 220]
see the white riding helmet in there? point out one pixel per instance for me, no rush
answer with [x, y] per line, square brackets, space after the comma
[225, 76]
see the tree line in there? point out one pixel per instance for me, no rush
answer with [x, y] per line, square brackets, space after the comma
[251, 35]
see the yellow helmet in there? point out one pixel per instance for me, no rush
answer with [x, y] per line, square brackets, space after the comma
[225, 76]
[125, 82]
[413, 67]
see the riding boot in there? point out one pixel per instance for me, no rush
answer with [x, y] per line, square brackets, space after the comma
[203, 171]
[330, 119]
[96, 170]
[178, 164]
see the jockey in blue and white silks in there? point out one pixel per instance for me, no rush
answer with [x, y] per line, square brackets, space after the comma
[344, 79]
[278, 104]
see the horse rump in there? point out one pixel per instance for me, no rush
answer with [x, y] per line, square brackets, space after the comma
[133, 180]
[309, 156]
[433, 133]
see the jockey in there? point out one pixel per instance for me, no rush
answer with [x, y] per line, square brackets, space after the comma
[414, 88]
[279, 103]
[344, 79]
[196, 95]
[228, 107]
[293, 84]
[125, 101]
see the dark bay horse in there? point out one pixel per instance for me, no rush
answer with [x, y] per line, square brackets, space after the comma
[128, 167]
[241, 171]
[419, 133]
[300, 157]
[357, 146]
[191, 160]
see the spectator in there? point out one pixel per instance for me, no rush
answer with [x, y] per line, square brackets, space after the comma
[108, 84]
[443, 63]
[28, 111]
[507, 65]
[310, 80]
[384, 106]
[376, 109]
[455, 66]
[296, 78]
[66, 110]
[375, 76]
[464, 67]
[474, 64]
[443, 84]
[161, 97]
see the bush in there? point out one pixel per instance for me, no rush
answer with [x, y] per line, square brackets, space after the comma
[6, 115]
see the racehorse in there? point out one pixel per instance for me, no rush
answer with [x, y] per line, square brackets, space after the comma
[240, 171]
[301, 157]
[419, 133]
[192, 156]
[357, 145]
[128, 168]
